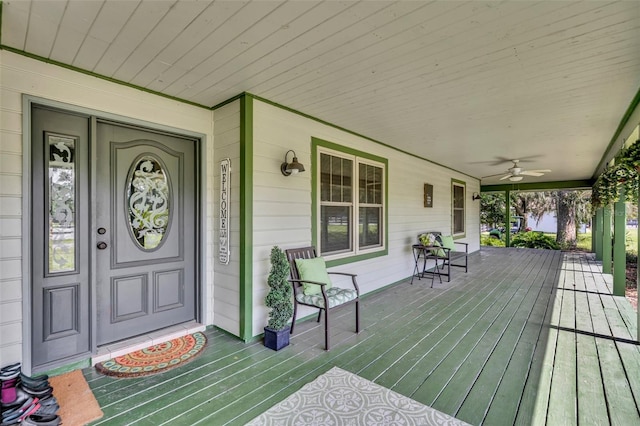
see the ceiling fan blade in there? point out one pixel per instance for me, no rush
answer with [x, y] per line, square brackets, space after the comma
[534, 172]
[490, 176]
[530, 173]
[506, 176]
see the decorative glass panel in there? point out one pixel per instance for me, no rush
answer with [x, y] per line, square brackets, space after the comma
[148, 196]
[62, 203]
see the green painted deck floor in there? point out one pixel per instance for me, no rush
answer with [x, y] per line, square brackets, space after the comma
[526, 337]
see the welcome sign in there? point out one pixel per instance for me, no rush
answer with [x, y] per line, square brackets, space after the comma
[225, 175]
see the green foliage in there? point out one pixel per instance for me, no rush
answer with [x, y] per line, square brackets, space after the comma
[492, 208]
[279, 296]
[608, 187]
[487, 240]
[534, 240]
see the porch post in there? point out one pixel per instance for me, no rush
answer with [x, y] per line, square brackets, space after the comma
[596, 233]
[638, 269]
[507, 225]
[619, 251]
[606, 240]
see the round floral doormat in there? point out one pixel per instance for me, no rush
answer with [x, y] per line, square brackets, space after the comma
[156, 358]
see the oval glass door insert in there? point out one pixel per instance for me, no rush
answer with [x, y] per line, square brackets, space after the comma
[148, 194]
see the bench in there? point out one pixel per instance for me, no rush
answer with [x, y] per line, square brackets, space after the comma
[450, 257]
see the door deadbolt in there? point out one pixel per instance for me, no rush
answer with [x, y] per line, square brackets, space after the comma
[102, 231]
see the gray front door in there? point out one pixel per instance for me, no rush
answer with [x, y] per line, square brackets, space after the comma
[146, 199]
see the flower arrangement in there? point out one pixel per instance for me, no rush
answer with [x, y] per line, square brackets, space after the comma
[631, 155]
[607, 189]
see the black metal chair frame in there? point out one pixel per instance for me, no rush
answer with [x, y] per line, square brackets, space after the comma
[310, 253]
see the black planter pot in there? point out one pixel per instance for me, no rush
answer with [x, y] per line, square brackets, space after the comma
[276, 339]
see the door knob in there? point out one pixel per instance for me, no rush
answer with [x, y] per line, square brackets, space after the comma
[102, 245]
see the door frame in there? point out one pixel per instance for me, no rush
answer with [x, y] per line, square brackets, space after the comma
[200, 154]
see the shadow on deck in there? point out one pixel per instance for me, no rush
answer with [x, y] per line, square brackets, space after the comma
[526, 337]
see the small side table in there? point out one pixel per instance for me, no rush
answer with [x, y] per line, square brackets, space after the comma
[425, 253]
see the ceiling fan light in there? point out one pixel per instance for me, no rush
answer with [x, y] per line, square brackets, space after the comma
[515, 178]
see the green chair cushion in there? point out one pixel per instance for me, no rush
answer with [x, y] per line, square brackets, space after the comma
[313, 270]
[447, 242]
[335, 295]
[438, 252]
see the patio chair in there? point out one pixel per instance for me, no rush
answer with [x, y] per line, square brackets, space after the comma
[448, 253]
[312, 287]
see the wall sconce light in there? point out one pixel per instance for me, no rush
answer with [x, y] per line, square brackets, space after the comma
[475, 196]
[293, 167]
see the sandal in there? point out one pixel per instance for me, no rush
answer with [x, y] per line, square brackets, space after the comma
[42, 420]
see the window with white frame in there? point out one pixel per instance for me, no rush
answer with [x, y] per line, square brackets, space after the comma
[351, 203]
[458, 190]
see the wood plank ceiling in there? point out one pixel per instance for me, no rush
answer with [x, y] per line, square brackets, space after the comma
[466, 84]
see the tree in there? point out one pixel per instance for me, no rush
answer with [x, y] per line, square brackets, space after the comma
[492, 211]
[566, 214]
[279, 296]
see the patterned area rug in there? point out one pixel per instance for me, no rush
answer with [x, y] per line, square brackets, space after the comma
[156, 358]
[341, 398]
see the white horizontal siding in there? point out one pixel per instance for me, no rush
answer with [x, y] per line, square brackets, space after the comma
[226, 294]
[282, 205]
[22, 75]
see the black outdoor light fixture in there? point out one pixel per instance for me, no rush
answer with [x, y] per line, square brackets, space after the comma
[293, 167]
[475, 196]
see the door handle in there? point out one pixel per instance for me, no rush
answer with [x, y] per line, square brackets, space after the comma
[102, 245]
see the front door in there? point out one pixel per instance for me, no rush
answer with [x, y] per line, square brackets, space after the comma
[144, 231]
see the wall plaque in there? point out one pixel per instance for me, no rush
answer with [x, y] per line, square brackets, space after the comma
[428, 195]
[225, 176]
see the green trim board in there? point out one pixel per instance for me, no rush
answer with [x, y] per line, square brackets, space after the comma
[619, 249]
[246, 218]
[540, 186]
[597, 233]
[315, 143]
[607, 245]
[635, 102]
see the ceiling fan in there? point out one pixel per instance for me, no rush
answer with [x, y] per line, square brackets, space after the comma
[517, 173]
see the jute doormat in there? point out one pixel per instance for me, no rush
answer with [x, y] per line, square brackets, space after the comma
[156, 358]
[78, 406]
[341, 398]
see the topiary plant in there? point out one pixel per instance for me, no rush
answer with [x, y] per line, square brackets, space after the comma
[279, 296]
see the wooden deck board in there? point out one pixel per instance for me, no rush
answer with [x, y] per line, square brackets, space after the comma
[526, 337]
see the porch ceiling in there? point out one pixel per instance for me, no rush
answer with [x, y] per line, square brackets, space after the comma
[465, 84]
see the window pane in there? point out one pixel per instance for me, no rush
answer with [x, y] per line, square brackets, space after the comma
[370, 227]
[325, 177]
[336, 179]
[458, 196]
[335, 228]
[347, 181]
[62, 204]
[377, 188]
[370, 191]
[458, 221]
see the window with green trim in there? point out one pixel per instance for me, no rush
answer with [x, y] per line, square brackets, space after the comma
[458, 190]
[351, 191]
